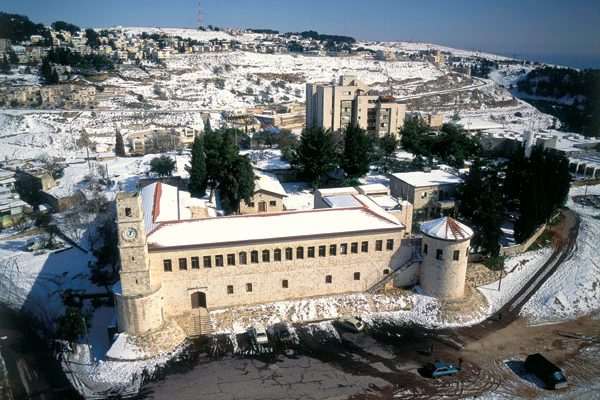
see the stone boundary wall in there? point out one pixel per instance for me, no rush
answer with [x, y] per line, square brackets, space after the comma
[521, 248]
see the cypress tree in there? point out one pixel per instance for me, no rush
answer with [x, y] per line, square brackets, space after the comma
[358, 152]
[316, 156]
[197, 169]
[119, 146]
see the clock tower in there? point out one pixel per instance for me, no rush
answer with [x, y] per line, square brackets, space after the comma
[139, 300]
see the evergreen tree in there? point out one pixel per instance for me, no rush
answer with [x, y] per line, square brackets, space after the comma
[220, 150]
[93, 39]
[316, 156]
[46, 71]
[71, 325]
[197, 169]
[481, 204]
[4, 65]
[119, 146]
[163, 165]
[358, 152]
[388, 145]
[413, 133]
[237, 184]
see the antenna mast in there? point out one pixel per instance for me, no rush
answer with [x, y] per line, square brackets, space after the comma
[200, 15]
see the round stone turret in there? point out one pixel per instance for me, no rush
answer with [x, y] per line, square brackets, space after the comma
[445, 249]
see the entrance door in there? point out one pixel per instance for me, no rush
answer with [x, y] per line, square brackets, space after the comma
[262, 206]
[198, 300]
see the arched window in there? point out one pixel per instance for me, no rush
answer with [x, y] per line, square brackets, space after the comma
[266, 256]
[277, 255]
[242, 258]
[254, 256]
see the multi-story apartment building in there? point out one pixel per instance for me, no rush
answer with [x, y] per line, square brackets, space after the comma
[352, 102]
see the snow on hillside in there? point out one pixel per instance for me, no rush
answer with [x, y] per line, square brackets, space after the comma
[574, 289]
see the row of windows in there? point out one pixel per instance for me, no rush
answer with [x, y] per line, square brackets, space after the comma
[265, 255]
[439, 253]
[285, 284]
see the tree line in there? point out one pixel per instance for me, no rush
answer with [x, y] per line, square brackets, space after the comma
[532, 188]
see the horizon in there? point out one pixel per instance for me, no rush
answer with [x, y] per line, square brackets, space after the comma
[519, 29]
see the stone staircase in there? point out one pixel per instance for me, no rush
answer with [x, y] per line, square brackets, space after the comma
[195, 323]
[416, 257]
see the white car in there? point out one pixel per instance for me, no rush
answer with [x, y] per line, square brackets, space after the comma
[354, 324]
[259, 334]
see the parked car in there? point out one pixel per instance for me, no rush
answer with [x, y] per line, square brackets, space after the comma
[552, 376]
[353, 324]
[282, 334]
[440, 368]
[259, 334]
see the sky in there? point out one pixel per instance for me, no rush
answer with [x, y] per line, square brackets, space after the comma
[510, 27]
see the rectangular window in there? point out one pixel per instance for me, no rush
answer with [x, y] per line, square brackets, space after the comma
[252, 204]
[322, 251]
[364, 247]
[284, 283]
[195, 262]
[273, 203]
[344, 248]
[243, 258]
[438, 254]
[389, 244]
[183, 263]
[424, 249]
[357, 276]
[219, 261]
[206, 261]
[288, 253]
[248, 287]
[310, 252]
[455, 255]
[332, 249]
[167, 265]
[354, 247]
[378, 245]
[300, 252]
[231, 259]
[266, 256]
[277, 255]
[328, 279]
[254, 257]
[230, 289]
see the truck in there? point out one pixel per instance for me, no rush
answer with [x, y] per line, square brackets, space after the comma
[552, 376]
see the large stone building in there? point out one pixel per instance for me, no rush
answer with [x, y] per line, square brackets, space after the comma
[352, 102]
[178, 265]
[430, 192]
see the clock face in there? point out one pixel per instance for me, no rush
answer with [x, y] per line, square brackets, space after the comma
[129, 233]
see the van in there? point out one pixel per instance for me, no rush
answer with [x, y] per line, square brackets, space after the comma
[552, 376]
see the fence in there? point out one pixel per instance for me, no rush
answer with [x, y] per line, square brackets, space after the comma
[521, 248]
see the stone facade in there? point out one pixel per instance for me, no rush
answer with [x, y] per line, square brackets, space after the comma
[262, 201]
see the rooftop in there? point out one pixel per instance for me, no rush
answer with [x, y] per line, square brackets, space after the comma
[269, 183]
[446, 228]
[291, 224]
[423, 179]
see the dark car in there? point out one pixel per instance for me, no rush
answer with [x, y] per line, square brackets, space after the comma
[552, 376]
[440, 368]
[281, 333]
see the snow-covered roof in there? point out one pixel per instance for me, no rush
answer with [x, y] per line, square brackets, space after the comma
[162, 202]
[446, 228]
[384, 201]
[373, 188]
[343, 200]
[284, 225]
[269, 183]
[423, 179]
[338, 191]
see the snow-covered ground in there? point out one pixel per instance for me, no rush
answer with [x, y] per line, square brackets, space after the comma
[574, 289]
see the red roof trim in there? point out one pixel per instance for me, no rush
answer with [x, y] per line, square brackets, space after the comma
[156, 206]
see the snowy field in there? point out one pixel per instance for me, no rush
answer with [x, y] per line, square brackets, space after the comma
[574, 289]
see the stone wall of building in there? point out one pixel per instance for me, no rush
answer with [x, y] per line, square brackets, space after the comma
[443, 277]
[272, 203]
[305, 277]
[139, 314]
